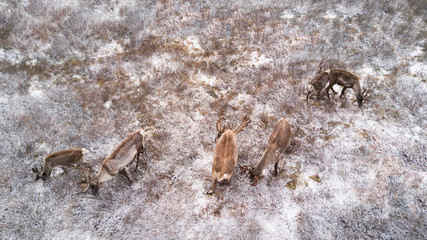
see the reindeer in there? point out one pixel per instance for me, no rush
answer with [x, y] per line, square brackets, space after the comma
[124, 153]
[66, 158]
[347, 80]
[225, 152]
[277, 144]
[318, 83]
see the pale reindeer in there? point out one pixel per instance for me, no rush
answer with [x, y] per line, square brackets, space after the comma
[124, 153]
[277, 144]
[225, 152]
[67, 158]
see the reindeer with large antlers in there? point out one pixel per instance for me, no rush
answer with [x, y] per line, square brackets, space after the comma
[124, 153]
[225, 152]
[67, 158]
[277, 144]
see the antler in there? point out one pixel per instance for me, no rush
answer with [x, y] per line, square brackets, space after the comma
[366, 94]
[87, 181]
[219, 129]
[320, 66]
[147, 131]
[246, 120]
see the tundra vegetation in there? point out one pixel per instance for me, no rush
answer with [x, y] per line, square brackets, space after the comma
[85, 73]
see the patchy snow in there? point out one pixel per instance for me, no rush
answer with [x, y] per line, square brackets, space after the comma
[366, 71]
[287, 14]
[192, 42]
[418, 51]
[107, 104]
[330, 15]
[164, 62]
[256, 59]
[114, 67]
[109, 50]
[205, 79]
[11, 56]
[419, 69]
[36, 92]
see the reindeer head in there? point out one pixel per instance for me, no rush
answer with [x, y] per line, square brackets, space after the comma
[221, 129]
[255, 180]
[359, 100]
[363, 97]
[254, 177]
[40, 174]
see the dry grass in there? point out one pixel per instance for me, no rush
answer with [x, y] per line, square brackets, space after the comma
[182, 65]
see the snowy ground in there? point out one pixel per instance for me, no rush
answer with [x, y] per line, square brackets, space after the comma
[87, 73]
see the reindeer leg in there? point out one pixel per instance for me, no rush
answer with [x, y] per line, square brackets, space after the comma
[318, 95]
[342, 92]
[308, 95]
[327, 91]
[211, 190]
[276, 166]
[138, 156]
[137, 160]
[124, 173]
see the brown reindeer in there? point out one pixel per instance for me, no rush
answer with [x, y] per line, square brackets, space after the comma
[66, 158]
[115, 163]
[318, 83]
[347, 80]
[277, 144]
[225, 152]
